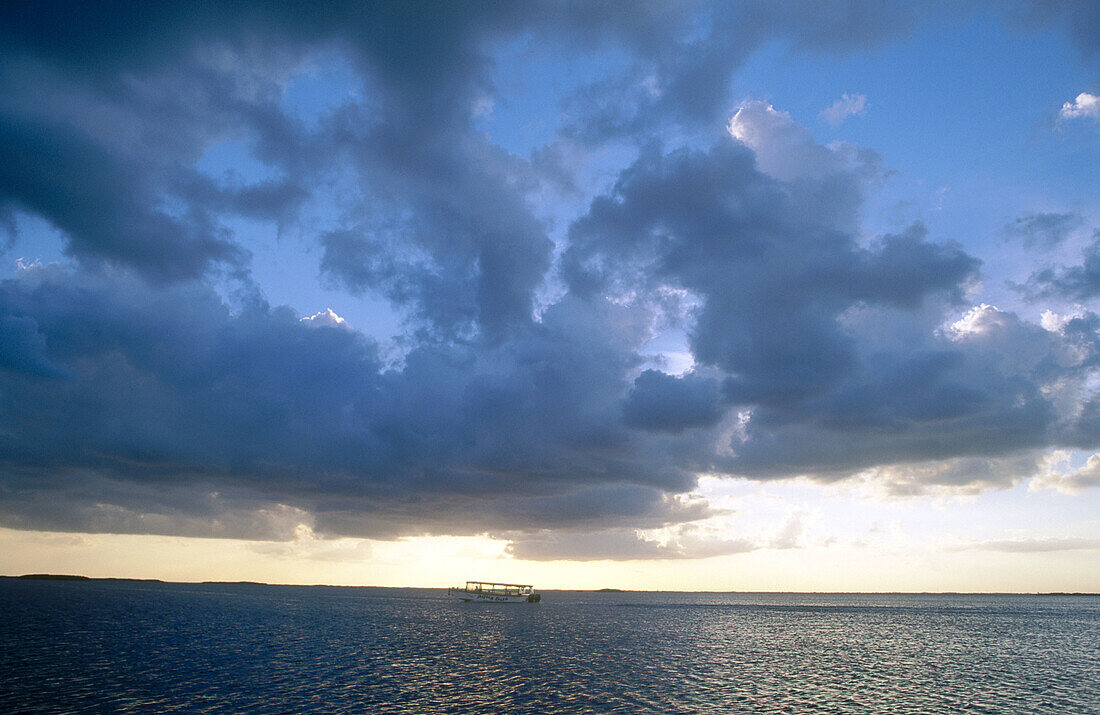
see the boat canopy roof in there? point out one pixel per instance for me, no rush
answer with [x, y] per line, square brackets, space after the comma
[499, 583]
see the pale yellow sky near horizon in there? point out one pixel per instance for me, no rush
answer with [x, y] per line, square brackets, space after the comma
[445, 561]
[844, 541]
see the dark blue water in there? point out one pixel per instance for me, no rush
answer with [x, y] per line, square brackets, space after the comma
[135, 647]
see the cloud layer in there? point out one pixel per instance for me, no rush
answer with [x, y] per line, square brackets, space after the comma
[139, 393]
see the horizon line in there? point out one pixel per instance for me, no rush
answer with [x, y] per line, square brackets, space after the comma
[82, 578]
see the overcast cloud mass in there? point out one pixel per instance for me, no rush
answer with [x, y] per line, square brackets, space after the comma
[149, 384]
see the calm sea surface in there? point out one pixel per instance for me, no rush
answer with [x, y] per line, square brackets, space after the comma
[149, 647]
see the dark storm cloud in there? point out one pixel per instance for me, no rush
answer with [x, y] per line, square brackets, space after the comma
[164, 393]
[684, 55]
[23, 348]
[773, 276]
[783, 294]
[976, 405]
[1044, 230]
[661, 402]
[267, 199]
[983, 390]
[1080, 282]
[102, 203]
[152, 86]
[458, 243]
[897, 417]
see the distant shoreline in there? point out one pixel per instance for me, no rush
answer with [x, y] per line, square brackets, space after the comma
[76, 577]
[120, 579]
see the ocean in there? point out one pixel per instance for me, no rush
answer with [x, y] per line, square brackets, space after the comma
[96, 646]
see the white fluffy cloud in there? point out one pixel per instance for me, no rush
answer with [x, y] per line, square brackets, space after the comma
[1086, 106]
[326, 317]
[1068, 481]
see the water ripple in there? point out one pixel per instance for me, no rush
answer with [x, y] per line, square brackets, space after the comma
[124, 647]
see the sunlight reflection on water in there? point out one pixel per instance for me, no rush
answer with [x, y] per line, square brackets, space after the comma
[228, 648]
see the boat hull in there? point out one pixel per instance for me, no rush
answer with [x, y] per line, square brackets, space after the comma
[471, 597]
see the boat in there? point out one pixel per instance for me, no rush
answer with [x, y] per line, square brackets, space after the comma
[495, 592]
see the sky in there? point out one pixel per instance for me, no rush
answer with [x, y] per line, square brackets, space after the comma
[798, 296]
